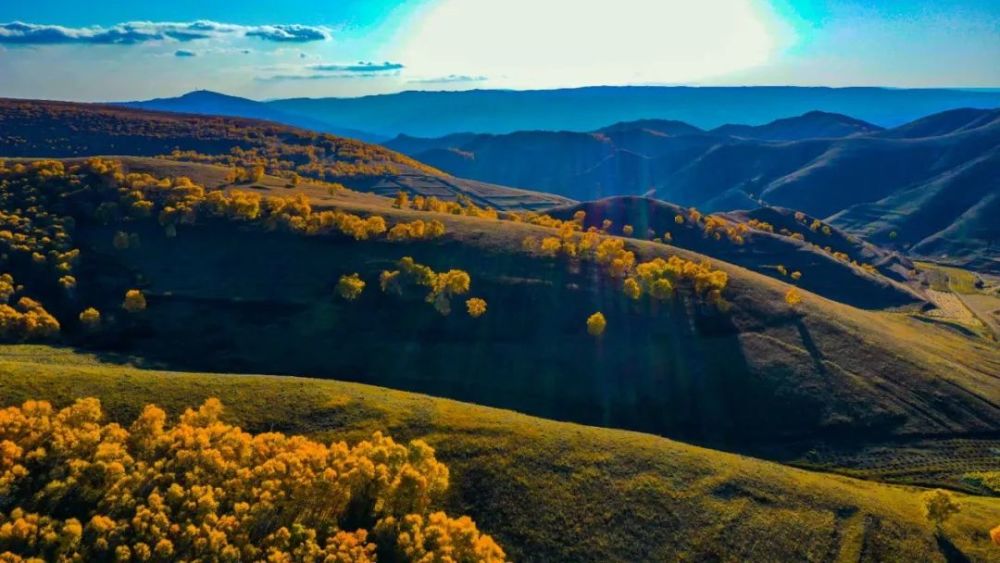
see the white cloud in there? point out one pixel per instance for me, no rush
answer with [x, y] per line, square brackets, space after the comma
[131, 33]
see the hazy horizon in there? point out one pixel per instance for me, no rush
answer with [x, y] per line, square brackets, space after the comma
[113, 50]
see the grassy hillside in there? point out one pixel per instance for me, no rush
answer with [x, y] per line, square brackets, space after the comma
[751, 374]
[30, 128]
[550, 491]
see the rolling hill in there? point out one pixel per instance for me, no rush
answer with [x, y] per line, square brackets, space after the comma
[37, 128]
[811, 125]
[754, 376]
[926, 188]
[551, 491]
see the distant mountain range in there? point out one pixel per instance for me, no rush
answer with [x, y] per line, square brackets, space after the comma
[205, 102]
[931, 186]
[433, 114]
[629, 158]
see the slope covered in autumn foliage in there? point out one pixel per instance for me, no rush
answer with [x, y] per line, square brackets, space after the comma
[76, 487]
[550, 491]
[303, 280]
[31, 128]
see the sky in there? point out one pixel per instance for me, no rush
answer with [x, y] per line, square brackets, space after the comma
[115, 50]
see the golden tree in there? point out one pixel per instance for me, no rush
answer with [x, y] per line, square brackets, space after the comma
[350, 286]
[476, 307]
[632, 288]
[793, 297]
[627, 230]
[596, 324]
[134, 302]
[90, 318]
[7, 287]
[402, 200]
[995, 535]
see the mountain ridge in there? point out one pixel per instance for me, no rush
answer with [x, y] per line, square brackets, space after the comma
[437, 113]
[884, 173]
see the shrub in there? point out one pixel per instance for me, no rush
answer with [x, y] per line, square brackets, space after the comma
[350, 286]
[90, 318]
[402, 200]
[793, 297]
[7, 287]
[632, 288]
[476, 307]
[596, 324]
[134, 302]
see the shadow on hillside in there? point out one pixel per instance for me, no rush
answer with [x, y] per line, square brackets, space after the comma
[258, 302]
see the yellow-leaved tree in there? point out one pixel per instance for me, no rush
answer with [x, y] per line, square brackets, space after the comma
[134, 302]
[350, 286]
[76, 488]
[596, 324]
[90, 318]
[793, 297]
[476, 307]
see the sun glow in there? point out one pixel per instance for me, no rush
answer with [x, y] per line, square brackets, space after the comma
[545, 43]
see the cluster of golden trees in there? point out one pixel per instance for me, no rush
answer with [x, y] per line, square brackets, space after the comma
[717, 227]
[26, 319]
[656, 278]
[29, 231]
[463, 205]
[760, 225]
[33, 236]
[318, 156]
[76, 488]
[417, 229]
[441, 286]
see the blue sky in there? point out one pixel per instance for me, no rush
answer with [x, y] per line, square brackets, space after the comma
[117, 50]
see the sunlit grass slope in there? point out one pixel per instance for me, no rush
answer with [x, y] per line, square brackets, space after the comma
[550, 491]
